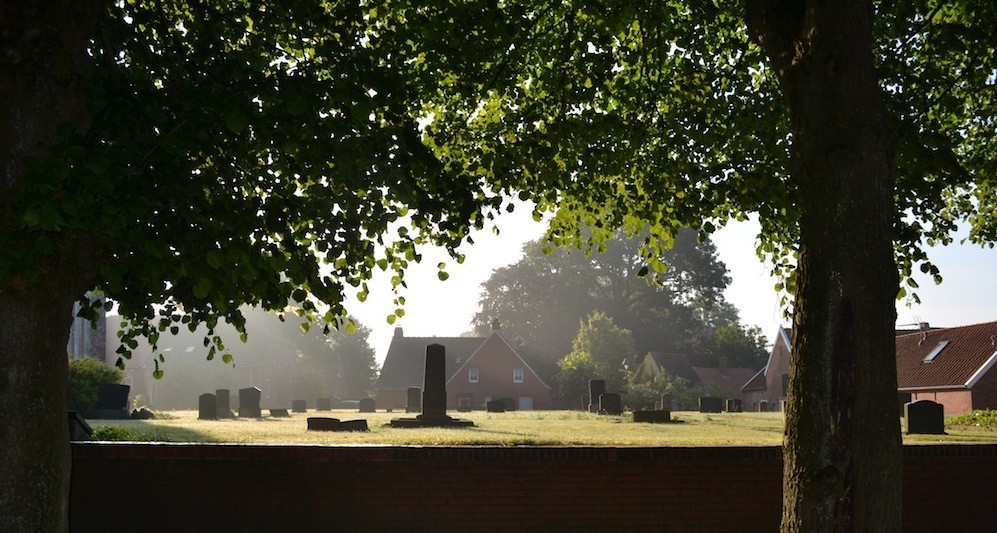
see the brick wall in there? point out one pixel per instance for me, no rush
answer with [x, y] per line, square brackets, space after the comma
[123, 487]
[954, 402]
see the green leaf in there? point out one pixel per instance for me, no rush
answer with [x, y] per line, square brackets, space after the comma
[442, 275]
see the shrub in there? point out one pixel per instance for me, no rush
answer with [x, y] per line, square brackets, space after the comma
[986, 419]
[85, 376]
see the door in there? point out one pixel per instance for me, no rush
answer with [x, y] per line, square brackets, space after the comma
[526, 403]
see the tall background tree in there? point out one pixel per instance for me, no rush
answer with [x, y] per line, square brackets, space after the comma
[541, 299]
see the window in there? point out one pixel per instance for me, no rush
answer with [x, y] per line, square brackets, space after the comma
[472, 375]
[517, 375]
[935, 351]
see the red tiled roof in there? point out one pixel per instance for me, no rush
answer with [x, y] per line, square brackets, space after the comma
[405, 362]
[968, 350]
[757, 382]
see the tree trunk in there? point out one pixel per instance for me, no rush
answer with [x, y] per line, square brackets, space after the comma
[43, 67]
[34, 434]
[842, 447]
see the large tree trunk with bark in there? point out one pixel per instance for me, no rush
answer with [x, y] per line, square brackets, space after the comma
[43, 66]
[842, 445]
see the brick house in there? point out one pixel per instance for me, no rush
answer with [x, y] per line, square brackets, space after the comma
[951, 366]
[722, 380]
[766, 390]
[478, 369]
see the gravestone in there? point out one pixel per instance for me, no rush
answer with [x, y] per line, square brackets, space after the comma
[414, 404]
[734, 405]
[249, 403]
[495, 406]
[112, 402]
[434, 395]
[299, 406]
[334, 424]
[207, 407]
[323, 404]
[597, 387]
[653, 417]
[510, 404]
[763, 406]
[585, 402]
[610, 404]
[709, 404]
[279, 413]
[78, 427]
[224, 399]
[142, 413]
[367, 405]
[924, 417]
[667, 403]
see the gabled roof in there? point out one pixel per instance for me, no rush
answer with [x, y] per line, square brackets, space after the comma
[495, 337]
[729, 380]
[971, 351]
[405, 362]
[675, 364]
[757, 382]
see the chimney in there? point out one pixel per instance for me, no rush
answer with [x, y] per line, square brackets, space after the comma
[923, 326]
[399, 333]
[496, 325]
[722, 365]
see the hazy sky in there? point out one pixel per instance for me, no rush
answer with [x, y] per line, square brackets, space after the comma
[435, 308]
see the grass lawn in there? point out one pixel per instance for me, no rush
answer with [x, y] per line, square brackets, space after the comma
[528, 428]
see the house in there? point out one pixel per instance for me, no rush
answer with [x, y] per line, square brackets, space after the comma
[950, 366]
[766, 390]
[722, 380]
[478, 370]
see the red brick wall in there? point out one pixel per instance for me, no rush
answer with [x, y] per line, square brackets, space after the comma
[985, 391]
[123, 487]
[495, 361]
[954, 402]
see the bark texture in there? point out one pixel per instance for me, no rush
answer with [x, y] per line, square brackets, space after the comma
[842, 447]
[43, 65]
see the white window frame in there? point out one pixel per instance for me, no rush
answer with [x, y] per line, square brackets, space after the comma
[472, 375]
[517, 375]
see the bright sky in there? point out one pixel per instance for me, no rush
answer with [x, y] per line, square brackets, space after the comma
[445, 308]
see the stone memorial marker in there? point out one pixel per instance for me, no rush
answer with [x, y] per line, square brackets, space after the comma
[667, 403]
[224, 399]
[316, 423]
[653, 417]
[510, 404]
[414, 404]
[323, 404]
[597, 387]
[207, 407]
[585, 402]
[709, 404]
[279, 413]
[299, 406]
[734, 405]
[249, 403]
[495, 406]
[610, 404]
[924, 417]
[367, 405]
[112, 402]
[434, 395]
[78, 427]
[763, 406]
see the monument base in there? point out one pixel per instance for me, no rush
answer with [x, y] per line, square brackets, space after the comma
[430, 421]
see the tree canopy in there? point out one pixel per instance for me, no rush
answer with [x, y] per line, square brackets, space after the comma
[541, 298]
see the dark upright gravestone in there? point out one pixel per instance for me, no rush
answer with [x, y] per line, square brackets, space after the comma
[249, 403]
[734, 405]
[924, 416]
[510, 404]
[367, 405]
[298, 406]
[709, 404]
[495, 406]
[323, 404]
[279, 413]
[112, 402]
[414, 397]
[207, 407]
[434, 395]
[224, 399]
[610, 404]
[78, 427]
[667, 403]
[597, 387]
[763, 406]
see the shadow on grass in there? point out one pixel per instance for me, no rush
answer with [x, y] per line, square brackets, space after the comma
[141, 431]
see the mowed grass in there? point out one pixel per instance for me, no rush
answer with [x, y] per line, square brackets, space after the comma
[531, 428]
